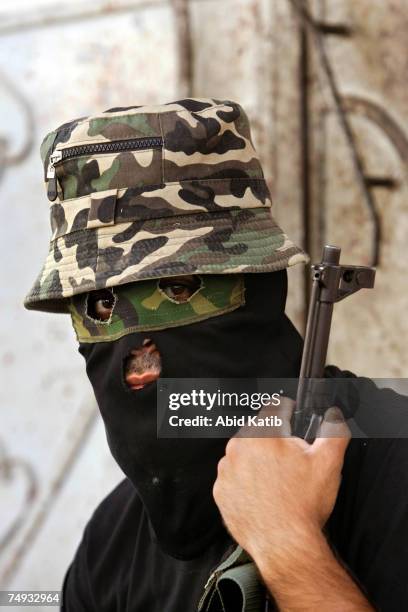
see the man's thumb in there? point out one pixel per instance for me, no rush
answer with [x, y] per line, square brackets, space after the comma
[333, 426]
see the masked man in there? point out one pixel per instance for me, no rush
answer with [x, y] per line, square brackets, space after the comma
[165, 254]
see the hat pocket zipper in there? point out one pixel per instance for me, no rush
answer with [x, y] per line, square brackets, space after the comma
[95, 148]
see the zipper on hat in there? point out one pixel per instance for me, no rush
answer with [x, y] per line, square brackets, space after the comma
[52, 191]
[114, 146]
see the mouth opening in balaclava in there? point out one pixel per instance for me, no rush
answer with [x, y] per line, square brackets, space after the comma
[174, 477]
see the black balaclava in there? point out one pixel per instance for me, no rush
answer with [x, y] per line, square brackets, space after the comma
[174, 477]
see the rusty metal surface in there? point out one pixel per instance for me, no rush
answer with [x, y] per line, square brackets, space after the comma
[184, 50]
[318, 31]
[367, 217]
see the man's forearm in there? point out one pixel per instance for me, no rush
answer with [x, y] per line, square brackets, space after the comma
[307, 577]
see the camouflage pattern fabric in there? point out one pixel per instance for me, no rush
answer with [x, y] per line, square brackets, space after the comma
[144, 306]
[146, 192]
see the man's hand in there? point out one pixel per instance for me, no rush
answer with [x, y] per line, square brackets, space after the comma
[273, 491]
[275, 495]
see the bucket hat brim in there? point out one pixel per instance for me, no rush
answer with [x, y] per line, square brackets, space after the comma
[225, 242]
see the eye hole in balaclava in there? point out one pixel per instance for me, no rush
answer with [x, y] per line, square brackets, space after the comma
[99, 306]
[180, 289]
[154, 304]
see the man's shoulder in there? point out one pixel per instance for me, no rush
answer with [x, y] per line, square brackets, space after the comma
[123, 497]
[118, 513]
[107, 546]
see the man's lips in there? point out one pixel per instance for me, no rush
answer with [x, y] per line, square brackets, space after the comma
[138, 381]
[142, 365]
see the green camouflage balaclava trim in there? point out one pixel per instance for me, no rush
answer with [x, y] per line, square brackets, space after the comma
[145, 306]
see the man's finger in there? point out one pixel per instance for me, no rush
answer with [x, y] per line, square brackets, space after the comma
[284, 412]
[333, 433]
[334, 425]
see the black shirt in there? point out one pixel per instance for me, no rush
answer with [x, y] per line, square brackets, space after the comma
[119, 566]
[369, 524]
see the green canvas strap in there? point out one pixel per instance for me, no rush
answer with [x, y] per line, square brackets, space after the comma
[234, 586]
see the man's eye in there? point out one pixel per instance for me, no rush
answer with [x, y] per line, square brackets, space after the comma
[100, 305]
[180, 290]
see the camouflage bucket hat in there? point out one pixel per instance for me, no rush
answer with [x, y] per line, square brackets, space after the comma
[152, 191]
